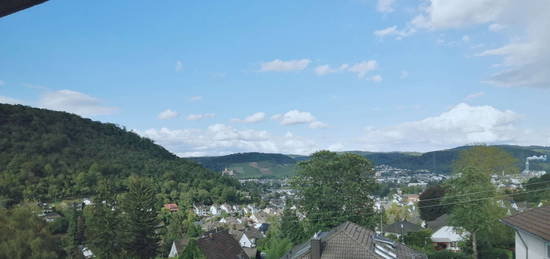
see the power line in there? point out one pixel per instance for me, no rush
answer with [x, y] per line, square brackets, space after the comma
[466, 194]
[438, 205]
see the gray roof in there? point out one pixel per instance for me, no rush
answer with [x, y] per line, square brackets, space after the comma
[349, 240]
[439, 222]
[402, 227]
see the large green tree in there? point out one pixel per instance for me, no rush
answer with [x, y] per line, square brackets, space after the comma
[140, 219]
[429, 204]
[332, 188]
[474, 208]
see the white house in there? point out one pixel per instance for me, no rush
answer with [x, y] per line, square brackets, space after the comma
[225, 208]
[244, 241]
[177, 248]
[447, 237]
[532, 229]
[200, 211]
[214, 210]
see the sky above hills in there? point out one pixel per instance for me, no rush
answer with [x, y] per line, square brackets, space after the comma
[218, 77]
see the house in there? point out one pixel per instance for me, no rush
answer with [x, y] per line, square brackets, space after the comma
[226, 208]
[214, 210]
[414, 198]
[401, 228]
[447, 237]
[214, 245]
[172, 207]
[228, 172]
[200, 211]
[532, 229]
[220, 245]
[349, 240]
[438, 223]
[177, 247]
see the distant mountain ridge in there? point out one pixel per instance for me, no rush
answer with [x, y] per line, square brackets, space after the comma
[246, 164]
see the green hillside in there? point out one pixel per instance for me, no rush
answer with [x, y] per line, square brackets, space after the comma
[258, 165]
[47, 155]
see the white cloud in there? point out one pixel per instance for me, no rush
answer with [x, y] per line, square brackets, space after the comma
[256, 117]
[495, 27]
[466, 38]
[318, 125]
[474, 96]
[376, 78]
[179, 66]
[195, 98]
[278, 65]
[324, 70]
[75, 102]
[294, 117]
[526, 59]
[194, 117]
[219, 139]
[362, 68]
[8, 100]
[462, 124]
[385, 6]
[167, 114]
[393, 31]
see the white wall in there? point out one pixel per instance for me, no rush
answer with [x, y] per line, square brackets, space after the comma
[245, 242]
[537, 246]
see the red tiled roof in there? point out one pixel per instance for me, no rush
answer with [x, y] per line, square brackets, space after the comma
[535, 221]
[171, 206]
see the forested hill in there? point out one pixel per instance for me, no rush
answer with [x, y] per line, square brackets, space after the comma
[251, 164]
[280, 165]
[49, 155]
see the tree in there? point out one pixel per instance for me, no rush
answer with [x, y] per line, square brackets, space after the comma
[140, 219]
[291, 227]
[487, 159]
[275, 244]
[419, 240]
[192, 250]
[332, 188]
[397, 212]
[75, 232]
[24, 235]
[429, 203]
[473, 204]
[104, 232]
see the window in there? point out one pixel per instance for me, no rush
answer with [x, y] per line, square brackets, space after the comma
[547, 250]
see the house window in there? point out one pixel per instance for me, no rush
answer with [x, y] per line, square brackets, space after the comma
[547, 250]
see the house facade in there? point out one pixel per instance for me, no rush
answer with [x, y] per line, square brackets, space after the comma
[532, 237]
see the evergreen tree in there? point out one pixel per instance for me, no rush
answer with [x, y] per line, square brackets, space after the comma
[141, 221]
[104, 233]
[75, 232]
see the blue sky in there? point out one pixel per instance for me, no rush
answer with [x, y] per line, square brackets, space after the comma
[217, 77]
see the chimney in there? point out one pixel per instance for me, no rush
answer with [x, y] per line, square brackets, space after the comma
[316, 247]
